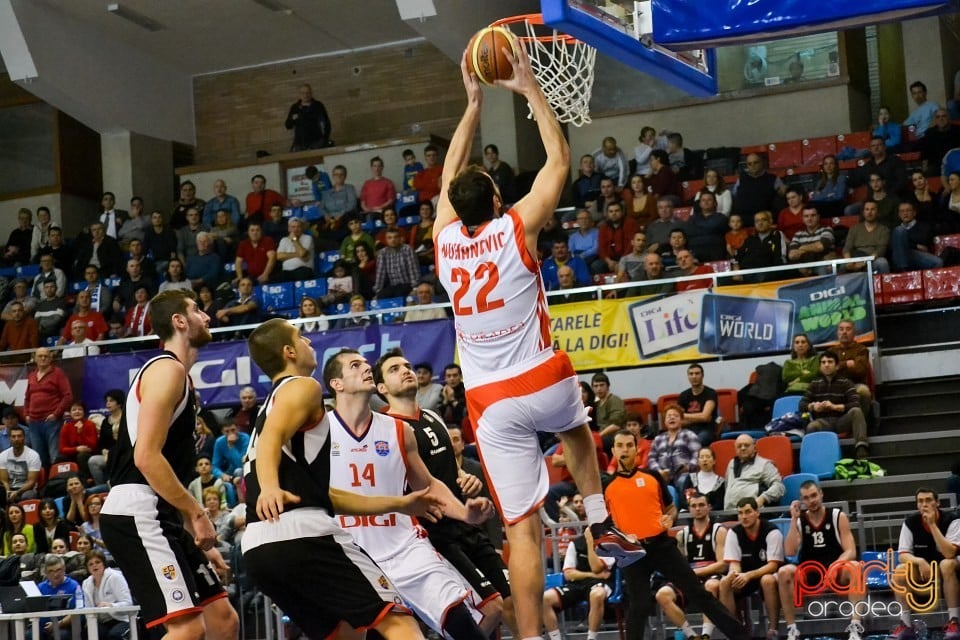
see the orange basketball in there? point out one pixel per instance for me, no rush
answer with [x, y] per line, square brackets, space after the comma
[485, 54]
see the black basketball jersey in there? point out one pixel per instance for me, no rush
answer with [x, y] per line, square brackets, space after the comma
[820, 544]
[924, 545]
[304, 462]
[178, 448]
[753, 551]
[700, 550]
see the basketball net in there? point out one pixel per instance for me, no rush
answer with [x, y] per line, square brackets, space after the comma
[562, 65]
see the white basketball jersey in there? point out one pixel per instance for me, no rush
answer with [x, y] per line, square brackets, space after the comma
[497, 294]
[373, 464]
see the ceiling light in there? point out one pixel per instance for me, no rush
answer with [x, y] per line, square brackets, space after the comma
[135, 17]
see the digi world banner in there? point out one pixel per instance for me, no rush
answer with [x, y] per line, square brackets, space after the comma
[737, 320]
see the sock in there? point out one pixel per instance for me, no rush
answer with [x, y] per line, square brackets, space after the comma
[591, 635]
[554, 635]
[595, 507]
[953, 612]
[708, 628]
[687, 630]
[905, 617]
[792, 626]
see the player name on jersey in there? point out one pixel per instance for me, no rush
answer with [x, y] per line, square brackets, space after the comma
[467, 248]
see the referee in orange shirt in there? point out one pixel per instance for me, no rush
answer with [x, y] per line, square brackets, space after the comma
[640, 505]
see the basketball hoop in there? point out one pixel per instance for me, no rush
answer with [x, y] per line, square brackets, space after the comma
[562, 64]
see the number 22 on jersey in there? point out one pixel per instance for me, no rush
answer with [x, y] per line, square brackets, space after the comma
[486, 277]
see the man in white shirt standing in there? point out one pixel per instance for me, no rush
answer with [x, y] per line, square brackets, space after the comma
[19, 467]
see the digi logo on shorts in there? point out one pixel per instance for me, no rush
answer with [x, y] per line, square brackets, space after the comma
[667, 324]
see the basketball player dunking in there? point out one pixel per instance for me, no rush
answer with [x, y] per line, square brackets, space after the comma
[516, 384]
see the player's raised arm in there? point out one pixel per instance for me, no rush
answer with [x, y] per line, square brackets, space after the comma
[536, 207]
[458, 154]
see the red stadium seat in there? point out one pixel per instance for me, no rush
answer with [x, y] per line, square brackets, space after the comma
[724, 451]
[902, 288]
[783, 155]
[61, 468]
[844, 221]
[31, 511]
[555, 474]
[942, 242]
[641, 406]
[690, 189]
[728, 406]
[859, 140]
[778, 450]
[664, 400]
[683, 213]
[941, 284]
[935, 183]
[878, 299]
[759, 149]
[719, 266]
[816, 149]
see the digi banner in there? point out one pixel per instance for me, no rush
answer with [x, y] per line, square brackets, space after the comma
[737, 320]
[223, 368]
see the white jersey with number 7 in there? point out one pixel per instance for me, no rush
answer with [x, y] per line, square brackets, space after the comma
[497, 294]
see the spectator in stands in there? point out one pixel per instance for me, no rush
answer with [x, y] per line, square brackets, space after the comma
[389, 219]
[275, 225]
[411, 167]
[338, 201]
[631, 266]
[94, 320]
[822, 536]
[501, 173]
[79, 345]
[586, 188]
[886, 202]
[160, 241]
[51, 312]
[357, 305]
[922, 116]
[421, 235]
[377, 192]
[925, 199]
[310, 310]
[753, 552]
[107, 435]
[244, 416]
[662, 181]
[50, 526]
[57, 582]
[19, 468]
[833, 404]
[111, 217]
[559, 257]
[854, 362]
[939, 139]
[640, 204]
[653, 274]
[801, 368]
[428, 391]
[676, 243]
[259, 200]
[427, 181]
[830, 192]
[790, 219]
[20, 295]
[947, 216]
[107, 588]
[868, 238]
[9, 418]
[453, 397]
[78, 439]
[216, 508]
[587, 578]
[611, 412]
[567, 279]
[751, 476]
[17, 526]
[228, 453]
[48, 270]
[205, 481]
[243, 309]
[756, 190]
[887, 165]
[221, 201]
[713, 183]
[309, 120]
[736, 236]
[203, 438]
[224, 234]
[706, 230]
[611, 162]
[688, 265]
[135, 226]
[207, 303]
[101, 296]
[674, 451]
[256, 255]
[641, 153]
[552, 231]
[17, 251]
[20, 331]
[147, 266]
[47, 399]
[608, 195]
[812, 243]
[887, 130]
[63, 255]
[136, 322]
[658, 231]
[188, 200]
[187, 235]
[678, 156]
[40, 239]
[100, 250]
[911, 242]
[296, 252]
[704, 482]
[203, 268]
[397, 270]
[91, 526]
[928, 536]
[584, 242]
[75, 501]
[700, 405]
[767, 247]
[135, 278]
[614, 236]
[340, 284]
[424, 295]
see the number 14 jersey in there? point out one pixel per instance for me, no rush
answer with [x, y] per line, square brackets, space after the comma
[497, 294]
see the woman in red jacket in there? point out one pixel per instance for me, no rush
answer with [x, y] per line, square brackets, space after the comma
[78, 439]
[47, 398]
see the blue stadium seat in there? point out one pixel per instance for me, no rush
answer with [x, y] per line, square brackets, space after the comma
[310, 212]
[276, 296]
[792, 484]
[316, 289]
[408, 221]
[231, 267]
[28, 270]
[113, 283]
[877, 578]
[819, 452]
[337, 309]
[553, 580]
[732, 435]
[785, 405]
[77, 286]
[783, 524]
[325, 261]
[8, 272]
[405, 200]
[372, 226]
[389, 303]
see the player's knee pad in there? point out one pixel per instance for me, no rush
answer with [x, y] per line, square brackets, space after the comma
[460, 625]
